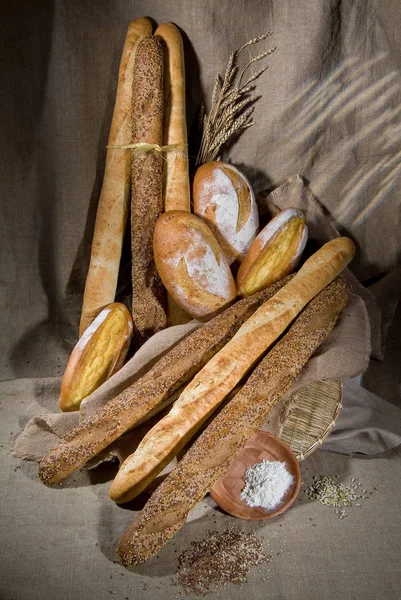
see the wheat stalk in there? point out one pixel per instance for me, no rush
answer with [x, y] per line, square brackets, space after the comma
[232, 104]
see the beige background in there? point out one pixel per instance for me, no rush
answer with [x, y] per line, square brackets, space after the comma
[330, 111]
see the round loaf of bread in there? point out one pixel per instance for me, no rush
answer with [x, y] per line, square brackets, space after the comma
[223, 197]
[99, 353]
[274, 253]
[191, 264]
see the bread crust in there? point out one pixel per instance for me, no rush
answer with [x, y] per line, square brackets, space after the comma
[226, 369]
[112, 211]
[274, 253]
[148, 294]
[213, 452]
[176, 189]
[151, 392]
[89, 366]
[224, 198]
[192, 265]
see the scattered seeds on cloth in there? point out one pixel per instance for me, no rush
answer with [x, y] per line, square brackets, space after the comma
[337, 495]
[220, 558]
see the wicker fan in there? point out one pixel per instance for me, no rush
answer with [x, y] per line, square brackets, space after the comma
[309, 416]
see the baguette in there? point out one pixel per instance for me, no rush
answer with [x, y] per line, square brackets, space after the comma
[112, 211]
[213, 452]
[151, 392]
[176, 189]
[147, 182]
[226, 369]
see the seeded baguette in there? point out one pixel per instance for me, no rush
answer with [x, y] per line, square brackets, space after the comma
[112, 211]
[214, 451]
[151, 392]
[226, 369]
[148, 294]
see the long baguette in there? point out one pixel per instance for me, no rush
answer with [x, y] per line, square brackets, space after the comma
[176, 190]
[151, 392]
[176, 187]
[112, 211]
[214, 451]
[226, 369]
[147, 184]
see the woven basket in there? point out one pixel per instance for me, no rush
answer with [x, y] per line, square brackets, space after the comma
[309, 416]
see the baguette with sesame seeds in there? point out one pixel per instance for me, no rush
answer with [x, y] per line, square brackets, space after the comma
[148, 293]
[113, 207]
[214, 451]
[226, 369]
[151, 392]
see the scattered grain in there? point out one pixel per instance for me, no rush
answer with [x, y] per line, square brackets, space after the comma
[221, 558]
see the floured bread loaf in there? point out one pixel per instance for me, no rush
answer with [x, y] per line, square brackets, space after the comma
[191, 264]
[224, 198]
[274, 253]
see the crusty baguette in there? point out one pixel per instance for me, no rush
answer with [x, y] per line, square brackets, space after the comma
[226, 369]
[148, 294]
[99, 353]
[151, 392]
[213, 452]
[112, 211]
[176, 189]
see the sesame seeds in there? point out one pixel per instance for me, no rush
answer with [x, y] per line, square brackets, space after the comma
[220, 558]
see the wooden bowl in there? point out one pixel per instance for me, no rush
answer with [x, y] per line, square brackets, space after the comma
[227, 491]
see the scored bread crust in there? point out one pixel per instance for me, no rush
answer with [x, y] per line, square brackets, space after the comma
[211, 455]
[151, 392]
[224, 198]
[226, 369]
[112, 329]
[191, 264]
[148, 294]
[287, 227]
[112, 210]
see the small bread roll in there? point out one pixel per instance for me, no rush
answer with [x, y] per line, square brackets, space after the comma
[274, 253]
[99, 353]
[191, 264]
[223, 197]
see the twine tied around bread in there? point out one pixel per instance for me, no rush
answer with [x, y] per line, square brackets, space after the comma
[145, 147]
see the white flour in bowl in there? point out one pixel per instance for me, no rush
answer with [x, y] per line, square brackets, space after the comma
[266, 484]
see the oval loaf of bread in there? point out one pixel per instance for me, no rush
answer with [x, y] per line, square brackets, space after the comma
[99, 353]
[191, 264]
[224, 198]
[274, 253]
